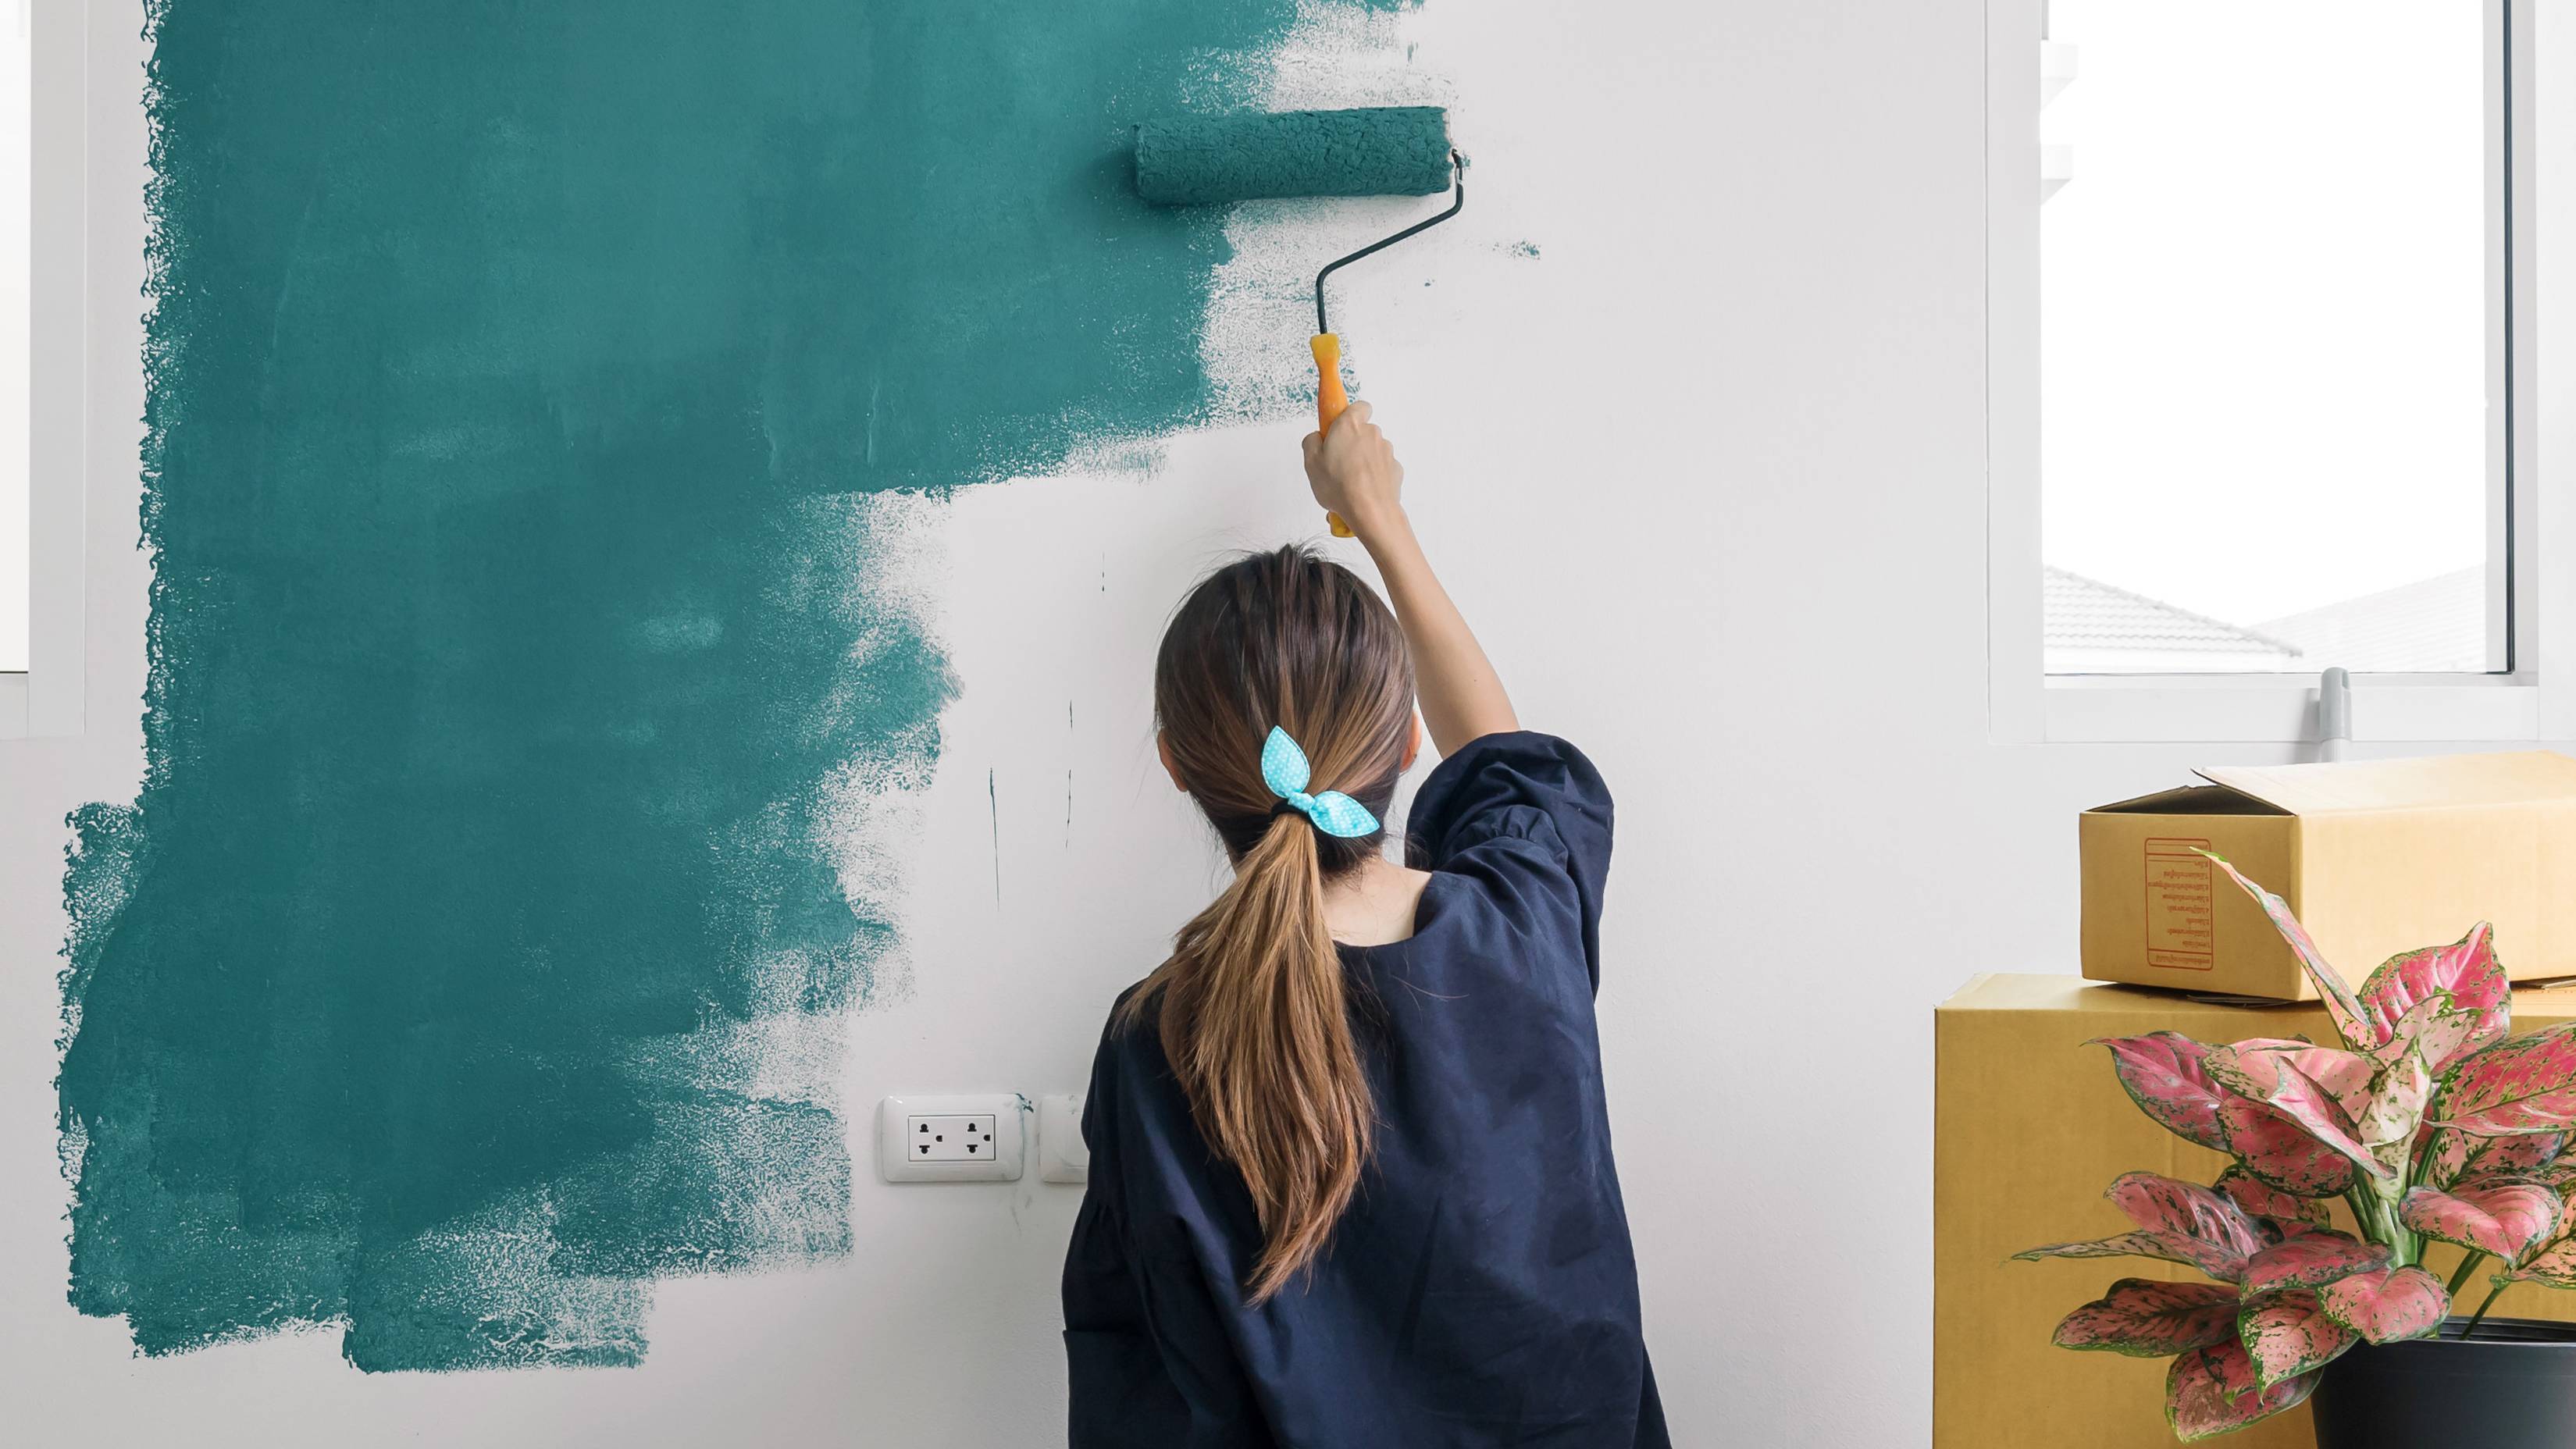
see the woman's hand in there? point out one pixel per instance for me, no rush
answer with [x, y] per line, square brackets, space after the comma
[1354, 472]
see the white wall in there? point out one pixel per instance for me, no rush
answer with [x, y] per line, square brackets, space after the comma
[1708, 477]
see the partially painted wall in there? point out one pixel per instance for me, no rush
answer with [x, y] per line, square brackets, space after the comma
[523, 661]
[1709, 480]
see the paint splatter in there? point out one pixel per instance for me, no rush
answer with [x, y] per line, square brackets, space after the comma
[475, 951]
[1528, 249]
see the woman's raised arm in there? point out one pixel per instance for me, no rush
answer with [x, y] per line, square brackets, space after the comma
[1355, 474]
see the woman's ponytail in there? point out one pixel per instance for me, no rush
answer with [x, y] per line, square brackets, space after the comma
[1251, 1005]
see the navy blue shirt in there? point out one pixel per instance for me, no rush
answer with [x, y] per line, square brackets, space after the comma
[1481, 1290]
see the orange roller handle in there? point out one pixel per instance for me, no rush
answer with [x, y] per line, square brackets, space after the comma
[1330, 399]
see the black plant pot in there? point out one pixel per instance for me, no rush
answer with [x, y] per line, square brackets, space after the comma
[2513, 1386]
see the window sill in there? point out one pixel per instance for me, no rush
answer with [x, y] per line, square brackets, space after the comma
[2282, 708]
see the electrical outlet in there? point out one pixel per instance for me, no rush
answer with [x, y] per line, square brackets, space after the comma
[951, 1139]
[948, 1139]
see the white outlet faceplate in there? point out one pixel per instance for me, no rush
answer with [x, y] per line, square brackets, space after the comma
[950, 1139]
[1062, 1154]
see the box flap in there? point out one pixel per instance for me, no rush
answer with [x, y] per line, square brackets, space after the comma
[2426, 783]
[2191, 800]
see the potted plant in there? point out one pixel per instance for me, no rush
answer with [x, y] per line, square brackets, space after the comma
[2433, 1125]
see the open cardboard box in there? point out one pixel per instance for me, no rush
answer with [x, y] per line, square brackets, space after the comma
[2375, 858]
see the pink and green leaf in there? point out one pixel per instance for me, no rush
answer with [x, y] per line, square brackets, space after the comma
[2261, 1067]
[2212, 1391]
[2490, 1215]
[2455, 1154]
[2152, 1320]
[2466, 972]
[2317, 1087]
[2165, 1073]
[2179, 1222]
[2288, 1334]
[2387, 1305]
[2162, 1073]
[2554, 1265]
[2310, 1259]
[2276, 1150]
[2258, 1199]
[2387, 1126]
[2169, 1204]
[2434, 1029]
[2342, 1007]
[2191, 1252]
[2526, 1084]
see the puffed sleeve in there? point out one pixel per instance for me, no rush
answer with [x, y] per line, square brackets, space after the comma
[1529, 817]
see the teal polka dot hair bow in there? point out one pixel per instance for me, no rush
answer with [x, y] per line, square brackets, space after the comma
[1285, 771]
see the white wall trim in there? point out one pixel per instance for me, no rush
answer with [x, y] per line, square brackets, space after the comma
[2186, 708]
[2547, 352]
[2025, 705]
[51, 698]
[2016, 707]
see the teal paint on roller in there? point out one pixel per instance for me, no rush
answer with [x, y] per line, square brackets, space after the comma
[1376, 151]
[1373, 151]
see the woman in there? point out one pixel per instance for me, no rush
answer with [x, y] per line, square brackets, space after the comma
[1351, 1181]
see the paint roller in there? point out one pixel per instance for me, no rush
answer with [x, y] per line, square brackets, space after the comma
[1374, 151]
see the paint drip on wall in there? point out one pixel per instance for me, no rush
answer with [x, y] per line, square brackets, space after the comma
[525, 383]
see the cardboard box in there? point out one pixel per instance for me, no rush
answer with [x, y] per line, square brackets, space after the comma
[2374, 857]
[2029, 1127]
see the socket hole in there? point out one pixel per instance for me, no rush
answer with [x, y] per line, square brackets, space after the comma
[970, 1146]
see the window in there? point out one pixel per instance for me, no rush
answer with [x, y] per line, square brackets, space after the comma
[2264, 348]
[60, 264]
[2273, 389]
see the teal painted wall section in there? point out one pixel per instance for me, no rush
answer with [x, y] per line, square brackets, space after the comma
[515, 373]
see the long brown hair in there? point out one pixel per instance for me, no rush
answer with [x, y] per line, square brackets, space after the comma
[1250, 1004]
